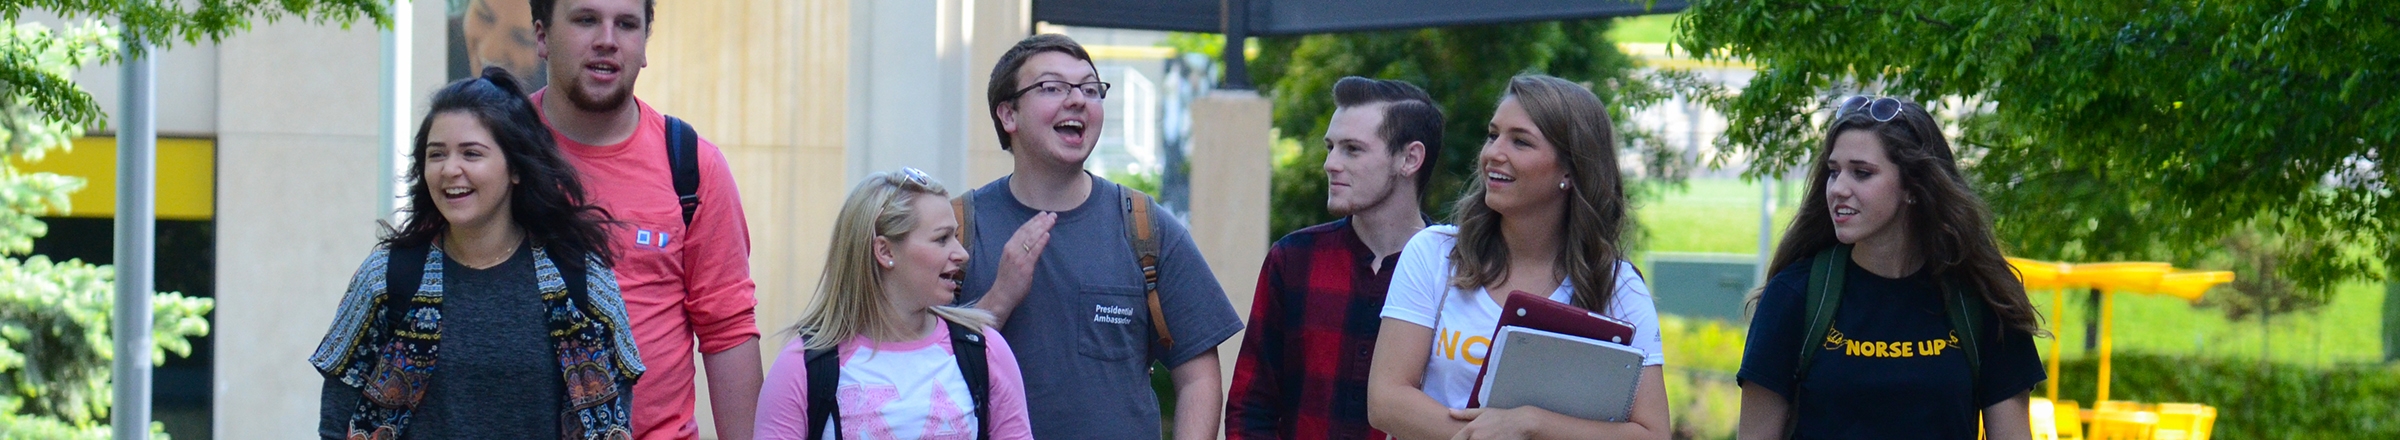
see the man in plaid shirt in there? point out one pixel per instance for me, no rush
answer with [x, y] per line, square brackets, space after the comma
[1302, 373]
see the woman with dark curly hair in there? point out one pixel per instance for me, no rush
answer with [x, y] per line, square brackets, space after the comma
[1891, 313]
[491, 311]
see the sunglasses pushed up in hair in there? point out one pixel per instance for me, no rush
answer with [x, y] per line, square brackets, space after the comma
[1883, 109]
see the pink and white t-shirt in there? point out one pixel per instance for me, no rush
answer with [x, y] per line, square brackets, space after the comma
[897, 390]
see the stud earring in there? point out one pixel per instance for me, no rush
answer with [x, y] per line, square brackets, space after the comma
[1562, 185]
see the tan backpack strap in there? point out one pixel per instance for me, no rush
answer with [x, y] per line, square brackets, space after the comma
[964, 207]
[1144, 235]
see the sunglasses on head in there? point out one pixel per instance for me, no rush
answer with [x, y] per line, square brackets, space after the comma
[916, 176]
[1880, 108]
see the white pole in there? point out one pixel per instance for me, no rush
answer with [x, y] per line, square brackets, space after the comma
[1766, 226]
[137, 233]
[395, 104]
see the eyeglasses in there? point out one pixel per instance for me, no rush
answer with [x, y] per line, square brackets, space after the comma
[1055, 89]
[1882, 109]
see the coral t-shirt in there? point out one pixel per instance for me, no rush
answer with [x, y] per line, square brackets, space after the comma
[685, 287]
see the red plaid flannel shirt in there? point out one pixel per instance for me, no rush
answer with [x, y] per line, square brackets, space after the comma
[1302, 373]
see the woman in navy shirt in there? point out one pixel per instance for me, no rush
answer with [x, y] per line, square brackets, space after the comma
[1913, 250]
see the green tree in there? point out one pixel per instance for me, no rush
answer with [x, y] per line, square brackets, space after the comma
[2106, 130]
[1466, 68]
[56, 346]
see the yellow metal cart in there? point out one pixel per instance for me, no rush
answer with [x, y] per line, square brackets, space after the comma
[2113, 419]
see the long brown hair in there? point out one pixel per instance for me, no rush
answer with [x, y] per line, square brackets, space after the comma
[1579, 130]
[1950, 229]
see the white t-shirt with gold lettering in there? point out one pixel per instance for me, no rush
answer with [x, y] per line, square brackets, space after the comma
[1462, 320]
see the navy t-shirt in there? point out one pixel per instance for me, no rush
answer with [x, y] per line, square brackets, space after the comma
[1890, 367]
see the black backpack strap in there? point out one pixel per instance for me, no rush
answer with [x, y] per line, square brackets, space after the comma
[403, 270]
[824, 374]
[1818, 308]
[1140, 231]
[967, 344]
[683, 158]
[571, 268]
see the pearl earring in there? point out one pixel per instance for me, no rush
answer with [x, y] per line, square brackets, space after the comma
[1562, 185]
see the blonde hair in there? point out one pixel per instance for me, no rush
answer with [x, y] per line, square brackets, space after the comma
[849, 293]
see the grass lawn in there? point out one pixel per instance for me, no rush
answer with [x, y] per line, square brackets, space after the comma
[1722, 216]
[1656, 28]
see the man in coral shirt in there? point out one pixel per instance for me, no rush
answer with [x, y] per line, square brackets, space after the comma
[686, 282]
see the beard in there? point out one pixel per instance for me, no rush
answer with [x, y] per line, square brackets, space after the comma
[1359, 200]
[608, 101]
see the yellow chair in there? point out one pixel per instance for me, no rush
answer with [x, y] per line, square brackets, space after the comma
[2114, 424]
[2185, 421]
[2067, 420]
[2174, 424]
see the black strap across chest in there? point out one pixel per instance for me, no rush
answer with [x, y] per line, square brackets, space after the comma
[825, 374]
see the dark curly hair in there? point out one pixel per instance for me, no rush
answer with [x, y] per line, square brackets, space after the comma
[548, 200]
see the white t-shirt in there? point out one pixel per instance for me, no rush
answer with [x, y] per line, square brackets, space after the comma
[1462, 320]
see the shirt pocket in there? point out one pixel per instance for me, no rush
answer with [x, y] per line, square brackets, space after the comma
[1114, 321]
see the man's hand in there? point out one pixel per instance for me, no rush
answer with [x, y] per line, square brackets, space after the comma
[1017, 259]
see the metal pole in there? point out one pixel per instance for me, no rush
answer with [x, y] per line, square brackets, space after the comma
[1236, 24]
[137, 233]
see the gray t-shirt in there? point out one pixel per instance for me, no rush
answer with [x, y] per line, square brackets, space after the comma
[495, 375]
[1083, 335]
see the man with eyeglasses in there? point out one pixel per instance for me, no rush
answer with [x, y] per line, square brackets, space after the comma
[1055, 259]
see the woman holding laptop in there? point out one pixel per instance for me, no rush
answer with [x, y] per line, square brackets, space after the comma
[1547, 217]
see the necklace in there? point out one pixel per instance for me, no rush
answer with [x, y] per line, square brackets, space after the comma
[490, 261]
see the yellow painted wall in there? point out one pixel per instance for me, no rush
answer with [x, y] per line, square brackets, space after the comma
[187, 177]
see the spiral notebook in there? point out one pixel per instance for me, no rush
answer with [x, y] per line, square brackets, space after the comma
[1575, 376]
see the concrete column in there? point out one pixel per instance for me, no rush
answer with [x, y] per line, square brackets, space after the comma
[997, 26]
[1231, 150]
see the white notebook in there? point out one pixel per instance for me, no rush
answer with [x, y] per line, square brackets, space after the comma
[1575, 376]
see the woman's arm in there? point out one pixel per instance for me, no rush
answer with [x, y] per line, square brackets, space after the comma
[2009, 420]
[1764, 413]
[1396, 400]
[1649, 418]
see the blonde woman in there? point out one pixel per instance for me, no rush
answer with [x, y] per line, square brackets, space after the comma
[878, 352]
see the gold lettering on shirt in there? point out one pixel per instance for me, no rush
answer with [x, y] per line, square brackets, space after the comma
[1836, 341]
